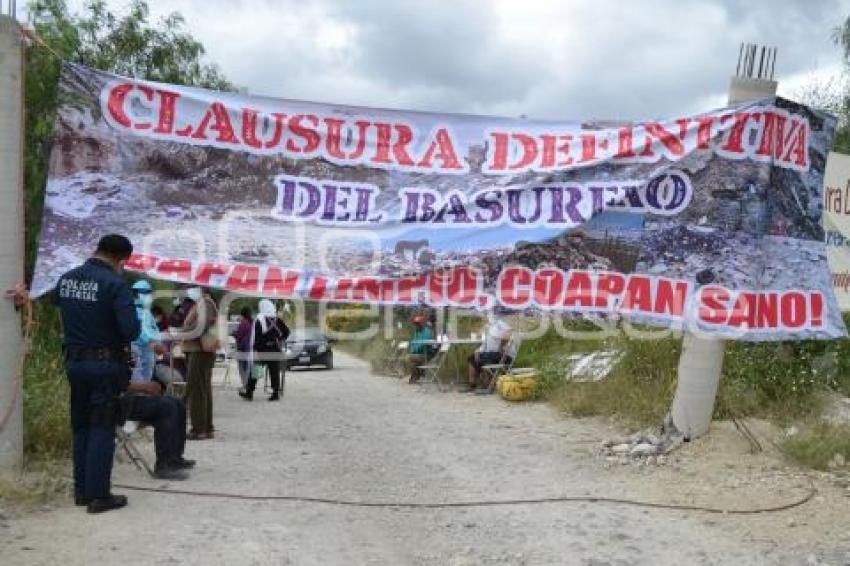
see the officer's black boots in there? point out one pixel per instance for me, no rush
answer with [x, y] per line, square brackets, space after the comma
[275, 396]
[101, 504]
[169, 472]
[182, 463]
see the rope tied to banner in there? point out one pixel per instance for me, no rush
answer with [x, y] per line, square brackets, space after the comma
[36, 40]
[28, 324]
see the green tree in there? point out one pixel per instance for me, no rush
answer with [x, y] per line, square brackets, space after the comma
[127, 44]
[841, 104]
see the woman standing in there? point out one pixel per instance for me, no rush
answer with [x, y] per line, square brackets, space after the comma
[200, 344]
[243, 346]
[268, 336]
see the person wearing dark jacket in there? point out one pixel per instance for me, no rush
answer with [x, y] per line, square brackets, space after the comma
[268, 337]
[243, 345]
[176, 319]
[181, 310]
[160, 318]
[99, 323]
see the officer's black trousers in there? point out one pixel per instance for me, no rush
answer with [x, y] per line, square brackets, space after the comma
[94, 385]
[168, 416]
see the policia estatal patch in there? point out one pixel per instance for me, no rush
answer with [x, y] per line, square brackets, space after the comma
[81, 290]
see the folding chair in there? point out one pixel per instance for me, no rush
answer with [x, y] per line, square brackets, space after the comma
[176, 388]
[226, 361]
[231, 379]
[492, 372]
[395, 364]
[124, 435]
[431, 371]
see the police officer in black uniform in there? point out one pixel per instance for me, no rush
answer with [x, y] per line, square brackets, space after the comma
[99, 321]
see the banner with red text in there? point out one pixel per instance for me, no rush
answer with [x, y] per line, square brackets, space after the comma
[836, 224]
[709, 222]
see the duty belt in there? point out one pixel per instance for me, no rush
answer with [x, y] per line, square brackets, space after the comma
[93, 355]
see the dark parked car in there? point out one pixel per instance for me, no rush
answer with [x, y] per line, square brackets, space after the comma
[308, 347]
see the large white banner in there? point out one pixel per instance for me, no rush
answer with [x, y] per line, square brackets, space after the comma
[710, 221]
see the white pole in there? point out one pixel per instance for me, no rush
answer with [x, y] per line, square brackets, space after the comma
[11, 240]
[701, 361]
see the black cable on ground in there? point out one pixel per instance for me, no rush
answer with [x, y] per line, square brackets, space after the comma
[484, 503]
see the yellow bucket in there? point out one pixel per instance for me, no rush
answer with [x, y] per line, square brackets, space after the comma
[517, 387]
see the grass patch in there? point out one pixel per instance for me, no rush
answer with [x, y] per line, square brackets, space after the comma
[638, 390]
[817, 446]
[47, 429]
[780, 381]
[44, 483]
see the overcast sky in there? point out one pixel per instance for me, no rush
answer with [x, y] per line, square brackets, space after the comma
[542, 58]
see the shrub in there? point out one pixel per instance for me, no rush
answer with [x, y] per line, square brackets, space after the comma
[47, 431]
[778, 380]
[817, 446]
[638, 390]
[350, 319]
[782, 380]
[41, 483]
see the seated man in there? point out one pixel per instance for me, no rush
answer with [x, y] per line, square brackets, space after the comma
[162, 368]
[144, 402]
[420, 349]
[493, 350]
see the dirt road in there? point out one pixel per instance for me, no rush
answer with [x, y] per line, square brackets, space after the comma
[346, 434]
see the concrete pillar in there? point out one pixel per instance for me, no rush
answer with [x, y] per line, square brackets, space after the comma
[701, 361]
[742, 89]
[11, 240]
[700, 365]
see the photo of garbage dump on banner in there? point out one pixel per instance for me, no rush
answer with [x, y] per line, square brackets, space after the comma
[720, 211]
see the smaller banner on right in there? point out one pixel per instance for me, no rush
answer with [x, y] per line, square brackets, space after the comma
[836, 224]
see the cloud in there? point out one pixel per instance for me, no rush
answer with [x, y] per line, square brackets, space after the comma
[547, 58]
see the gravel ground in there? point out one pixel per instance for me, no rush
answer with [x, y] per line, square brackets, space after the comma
[347, 434]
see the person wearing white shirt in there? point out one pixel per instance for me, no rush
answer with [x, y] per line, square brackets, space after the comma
[493, 350]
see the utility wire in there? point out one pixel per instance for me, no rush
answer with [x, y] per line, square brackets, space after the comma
[482, 503]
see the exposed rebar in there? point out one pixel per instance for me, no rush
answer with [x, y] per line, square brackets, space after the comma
[740, 55]
[756, 61]
[775, 50]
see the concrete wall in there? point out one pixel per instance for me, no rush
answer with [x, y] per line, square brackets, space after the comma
[11, 240]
